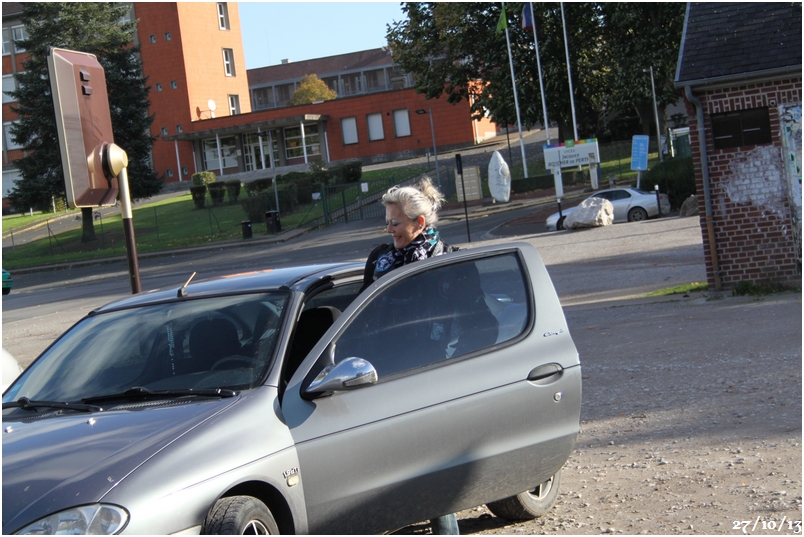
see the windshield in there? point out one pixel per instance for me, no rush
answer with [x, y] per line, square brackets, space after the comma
[210, 343]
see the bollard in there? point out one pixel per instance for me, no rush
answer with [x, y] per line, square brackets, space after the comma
[658, 200]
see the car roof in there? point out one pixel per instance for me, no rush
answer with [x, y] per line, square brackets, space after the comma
[247, 282]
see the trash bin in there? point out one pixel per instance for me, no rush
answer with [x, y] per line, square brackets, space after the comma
[272, 222]
[246, 225]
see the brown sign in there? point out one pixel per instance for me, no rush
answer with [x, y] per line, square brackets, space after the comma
[84, 123]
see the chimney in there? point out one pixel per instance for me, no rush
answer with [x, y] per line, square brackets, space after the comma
[285, 62]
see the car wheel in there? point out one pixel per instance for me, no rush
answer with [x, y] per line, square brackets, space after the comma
[560, 223]
[637, 214]
[7, 290]
[240, 515]
[529, 504]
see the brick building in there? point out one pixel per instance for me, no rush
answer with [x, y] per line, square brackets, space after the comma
[212, 114]
[740, 68]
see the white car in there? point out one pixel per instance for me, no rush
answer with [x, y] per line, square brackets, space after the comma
[630, 205]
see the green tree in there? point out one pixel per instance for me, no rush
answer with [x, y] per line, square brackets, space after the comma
[97, 28]
[639, 36]
[312, 89]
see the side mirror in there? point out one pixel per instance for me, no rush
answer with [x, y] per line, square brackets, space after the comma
[349, 374]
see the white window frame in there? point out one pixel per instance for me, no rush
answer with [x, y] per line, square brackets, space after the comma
[6, 41]
[164, 131]
[375, 127]
[223, 16]
[234, 105]
[228, 62]
[179, 129]
[167, 36]
[152, 38]
[8, 85]
[349, 129]
[9, 143]
[402, 123]
[169, 172]
[174, 84]
[158, 86]
[15, 38]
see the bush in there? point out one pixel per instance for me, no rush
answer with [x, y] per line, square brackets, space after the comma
[529, 184]
[233, 190]
[258, 186]
[348, 172]
[216, 191]
[319, 173]
[255, 207]
[680, 177]
[199, 194]
[203, 178]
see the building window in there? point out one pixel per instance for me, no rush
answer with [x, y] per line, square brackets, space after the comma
[152, 38]
[234, 105]
[228, 62]
[179, 130]
[349, 128]
[18, 33]
[164, 131]
[169, 172]
[375, 127]
[401, 123]
[744, 127]
[228, 151]
[158, 86]
[184, 170]
[8, 139]
[167, 36]
[8, 85]
[293, 141]
[223, 16]
[6, 41]
[173, 84]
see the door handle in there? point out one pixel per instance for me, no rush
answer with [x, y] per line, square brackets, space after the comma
[544, 372]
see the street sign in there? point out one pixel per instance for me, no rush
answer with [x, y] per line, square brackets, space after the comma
[84, 125]
[639, 152]
[571, 154]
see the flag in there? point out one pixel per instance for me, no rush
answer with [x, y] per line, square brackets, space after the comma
[503, 22]
[527, 19]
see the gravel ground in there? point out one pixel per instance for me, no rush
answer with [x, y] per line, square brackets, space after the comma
[691, 422]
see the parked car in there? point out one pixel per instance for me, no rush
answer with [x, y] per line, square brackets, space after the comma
[286, 401]
[8, 283]
[630, 205]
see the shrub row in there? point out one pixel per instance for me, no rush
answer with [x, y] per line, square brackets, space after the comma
[679, 175]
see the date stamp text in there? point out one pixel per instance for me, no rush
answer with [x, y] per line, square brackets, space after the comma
[782, 525]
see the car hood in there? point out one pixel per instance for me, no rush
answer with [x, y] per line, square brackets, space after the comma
[53, 463]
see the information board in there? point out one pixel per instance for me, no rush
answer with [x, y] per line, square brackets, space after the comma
[639, 152]
[581, 153]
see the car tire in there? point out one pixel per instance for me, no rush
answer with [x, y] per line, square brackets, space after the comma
[529, 504]
[239, 515]
[637, 214]
[7, 290]
[560, 223]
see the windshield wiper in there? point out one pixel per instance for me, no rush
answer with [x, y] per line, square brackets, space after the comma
[28, 404]
[140, 392]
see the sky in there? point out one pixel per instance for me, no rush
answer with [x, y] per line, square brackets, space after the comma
[274, 31]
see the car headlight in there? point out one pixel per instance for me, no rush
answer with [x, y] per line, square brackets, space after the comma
[85, 520]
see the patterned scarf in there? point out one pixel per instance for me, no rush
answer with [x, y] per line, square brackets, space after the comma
[426, 244]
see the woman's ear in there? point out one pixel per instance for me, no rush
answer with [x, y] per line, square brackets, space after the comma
[421, 221]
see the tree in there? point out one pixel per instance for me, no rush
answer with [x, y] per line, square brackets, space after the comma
[312, 89]
[97, 28]
[453, 49]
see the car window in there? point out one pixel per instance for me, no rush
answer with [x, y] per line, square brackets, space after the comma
[438, 315]
[223, 342]
[619, 195]
[604, 195]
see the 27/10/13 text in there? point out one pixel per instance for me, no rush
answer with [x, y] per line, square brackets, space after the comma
[783, 525]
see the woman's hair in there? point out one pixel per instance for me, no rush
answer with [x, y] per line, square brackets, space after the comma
[422, 200]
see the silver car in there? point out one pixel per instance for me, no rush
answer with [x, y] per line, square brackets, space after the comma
[630, 205]
[285, 401]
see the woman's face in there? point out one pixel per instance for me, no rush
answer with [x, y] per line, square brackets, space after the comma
[401, 228]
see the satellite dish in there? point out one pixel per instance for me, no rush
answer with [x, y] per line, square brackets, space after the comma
[211, 105]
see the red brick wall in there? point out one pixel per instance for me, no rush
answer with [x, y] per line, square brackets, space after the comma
[751, 212]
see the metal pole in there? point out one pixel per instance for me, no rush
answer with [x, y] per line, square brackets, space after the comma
[459, 168]
[569, 75]
[273, 168]
[128, 228]
[656, 116]
[541, 81]
[516, 104]
[435, 149]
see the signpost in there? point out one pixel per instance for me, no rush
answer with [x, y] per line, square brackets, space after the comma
[639, 154]
[571, 155]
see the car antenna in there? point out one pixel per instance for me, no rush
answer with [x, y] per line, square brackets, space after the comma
[183, 289]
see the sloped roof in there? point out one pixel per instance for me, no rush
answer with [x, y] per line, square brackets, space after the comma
[11, 8]
[330, 65]
[730, 40]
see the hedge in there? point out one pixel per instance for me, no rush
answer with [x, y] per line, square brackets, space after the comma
[679, 175]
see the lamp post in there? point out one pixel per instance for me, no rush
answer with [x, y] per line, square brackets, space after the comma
[655, 113]
[432, 134]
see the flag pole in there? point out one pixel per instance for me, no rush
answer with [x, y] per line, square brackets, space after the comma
[516, 98]
[541, 78]
[569, 75]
